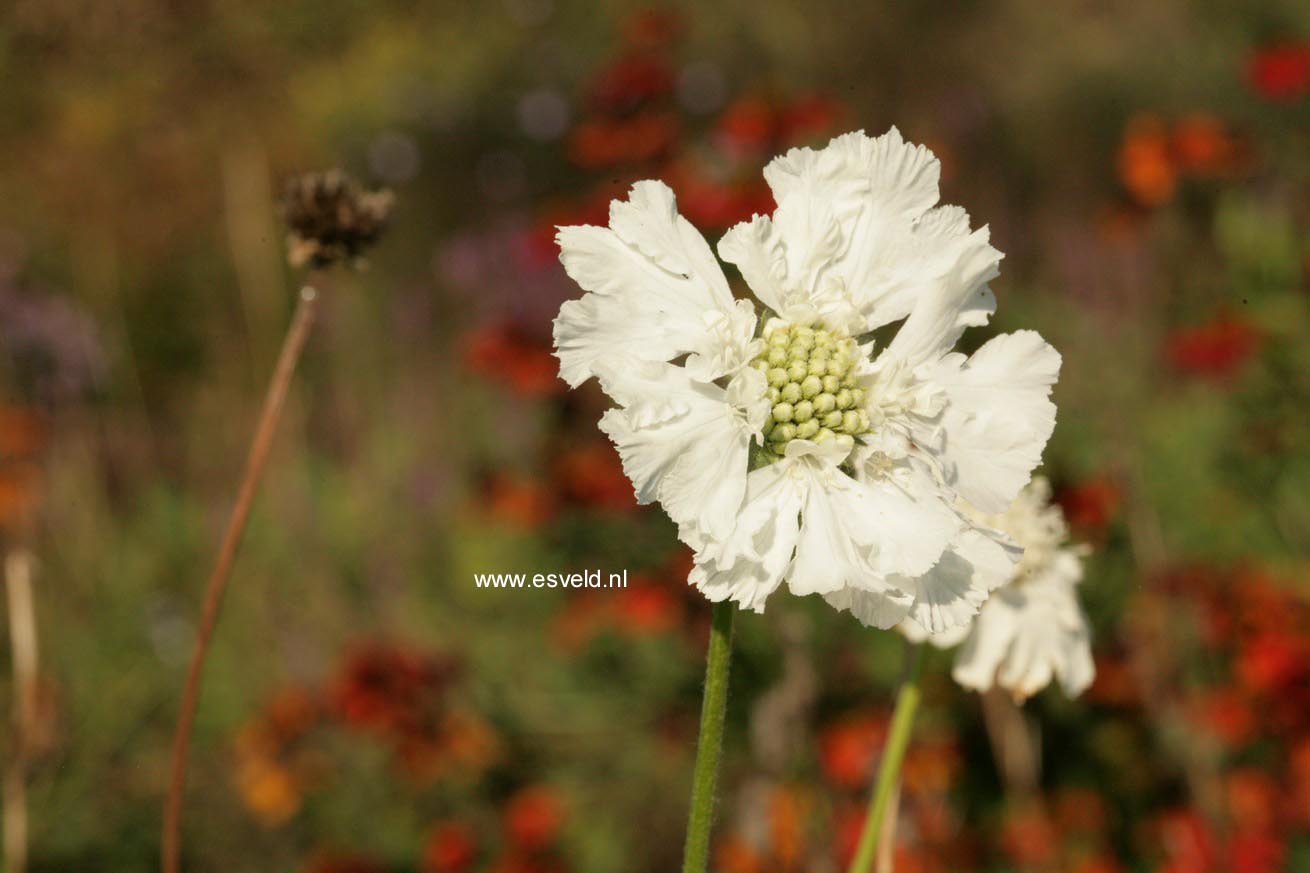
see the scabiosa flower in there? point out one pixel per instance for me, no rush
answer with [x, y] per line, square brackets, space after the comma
[781, 444]
[1032, 629]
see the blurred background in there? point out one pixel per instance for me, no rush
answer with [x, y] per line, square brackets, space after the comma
[1146, 169]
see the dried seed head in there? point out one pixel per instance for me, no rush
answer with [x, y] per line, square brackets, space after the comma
[331, 218]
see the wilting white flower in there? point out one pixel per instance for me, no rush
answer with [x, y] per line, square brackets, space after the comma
[783, 446]
[1032, 629]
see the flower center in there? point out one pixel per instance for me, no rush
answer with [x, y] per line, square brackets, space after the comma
[811, 385]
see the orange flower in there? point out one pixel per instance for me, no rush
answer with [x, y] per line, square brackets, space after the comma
[735, 855]
[787, 813]
[1252, 799]
[269, 790]
[931, 766]
[533, 817]
[1145, 162]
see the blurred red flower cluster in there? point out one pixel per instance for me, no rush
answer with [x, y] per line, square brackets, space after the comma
[397, 695]
[524, 841]
[1156, 154]
[645, 114]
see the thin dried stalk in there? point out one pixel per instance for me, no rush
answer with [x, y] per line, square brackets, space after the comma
[22, 638]
[260, 446]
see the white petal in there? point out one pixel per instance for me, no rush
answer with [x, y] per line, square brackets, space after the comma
[656, 287]
[946, 596]
[754, 248]
[1028, 634]
[880, 609]
[855, 225]
[958, 297]
[681, 443]
[947, 639]
[750, 562]
[998, 416]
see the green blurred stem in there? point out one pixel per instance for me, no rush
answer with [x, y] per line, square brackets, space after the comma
[709, 746]
[889, 770]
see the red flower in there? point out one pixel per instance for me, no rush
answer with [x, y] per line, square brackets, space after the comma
[1215, 350]
[1090, 505]
[848, 748]
[1204, 146]
[630, 83]
[1271, 661]
[533, 817]
[506, 353]
[450, 848]
[1188, 843]
[646, 607]
[1227, 714]
[1280, 72]
[601, 143]
[1255, 852]
[592, 475]
[518, 500]
[1027, 837]
[386, 689]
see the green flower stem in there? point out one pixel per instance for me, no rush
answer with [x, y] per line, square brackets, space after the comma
[907, 703]
[709, 746]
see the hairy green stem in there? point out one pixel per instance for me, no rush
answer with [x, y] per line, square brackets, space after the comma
[709, 746]
[889, 769]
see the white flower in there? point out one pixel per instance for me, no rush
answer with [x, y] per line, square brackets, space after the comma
[1032, 629]
[783, 447]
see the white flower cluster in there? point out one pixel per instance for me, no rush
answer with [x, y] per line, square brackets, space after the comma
[1031, 630]
[783, 443]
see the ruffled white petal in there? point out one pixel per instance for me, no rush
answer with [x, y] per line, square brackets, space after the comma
[656, 290]
[855, 238]
[951, 593]
[1028, 635]
[998, 417]
[947, 639]
[959, 296]
[684, 443]
[751, 561]
[880, 609]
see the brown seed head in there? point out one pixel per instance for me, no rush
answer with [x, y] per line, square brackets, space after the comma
[331, 218]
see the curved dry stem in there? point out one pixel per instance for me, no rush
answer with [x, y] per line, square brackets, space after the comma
[256, 460]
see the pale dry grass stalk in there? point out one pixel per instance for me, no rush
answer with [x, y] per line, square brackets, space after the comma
[23, 641]
[1018, 758]
[260, 446]
[886, 860]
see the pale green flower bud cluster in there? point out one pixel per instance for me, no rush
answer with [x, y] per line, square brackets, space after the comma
[811, 386]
